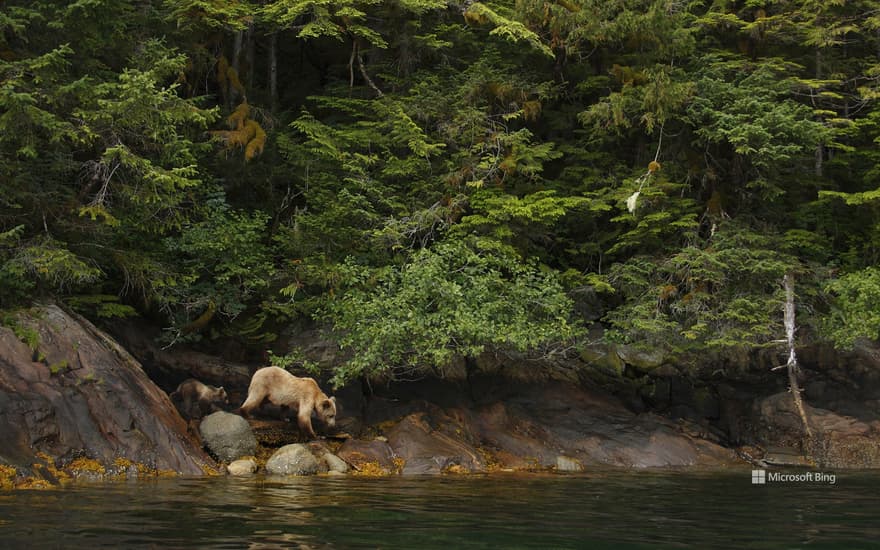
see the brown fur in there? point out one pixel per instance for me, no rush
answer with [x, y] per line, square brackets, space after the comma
[279, 387]
[194, 399]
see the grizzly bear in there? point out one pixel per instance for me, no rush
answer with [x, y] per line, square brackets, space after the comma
[194, 399]
[279, 387]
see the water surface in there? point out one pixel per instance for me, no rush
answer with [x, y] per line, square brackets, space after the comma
[604, 510]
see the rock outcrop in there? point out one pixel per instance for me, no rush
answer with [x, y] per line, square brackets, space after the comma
[548, 426]
[544, 422]
[427, 449]
[75, 393]
[372, 456]
[839, 441]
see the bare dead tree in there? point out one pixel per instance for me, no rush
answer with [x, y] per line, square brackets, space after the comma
[792, 364]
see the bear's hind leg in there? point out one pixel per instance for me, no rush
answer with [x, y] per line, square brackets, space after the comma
[249, 405]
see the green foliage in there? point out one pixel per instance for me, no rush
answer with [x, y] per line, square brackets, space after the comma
[649, 98]
[32, 87]
[450, 301]
[343, 18]
[750, 113]
[504, 26]
[438, 179]
[15, 285]
[719, 294]
[50, 262]
[102, 306]
[94, 158]
[55, 368]
[660, 218]
[854, 314]
[12, 320]
[229, 14]
[224, 259]
[331, 19]
[294, 359]
[146, 153]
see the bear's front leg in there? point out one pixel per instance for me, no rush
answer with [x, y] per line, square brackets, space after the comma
[187, 407]
[304, 419]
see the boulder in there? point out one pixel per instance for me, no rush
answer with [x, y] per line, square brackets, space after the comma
[228, 436]
[293, 460]
[604, 358]
[641, 359]
[242, 467]
[74, 392]
[335, 464]
[328, 463]
[515, 441]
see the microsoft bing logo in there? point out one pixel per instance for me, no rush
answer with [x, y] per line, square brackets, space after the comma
[763, 477]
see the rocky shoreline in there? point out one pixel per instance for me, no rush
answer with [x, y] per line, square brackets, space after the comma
[74, 404]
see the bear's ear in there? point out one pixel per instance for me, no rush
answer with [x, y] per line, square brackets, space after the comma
[333, 399]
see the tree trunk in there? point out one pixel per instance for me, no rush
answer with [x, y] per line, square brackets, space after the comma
[792, 365]
[236, 50]
[273, 71]
[236, 64]
[249, 56]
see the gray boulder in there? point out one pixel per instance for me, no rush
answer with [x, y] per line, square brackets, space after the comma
[228, 436]
[242, 467]
[335, 464]
[293, 460]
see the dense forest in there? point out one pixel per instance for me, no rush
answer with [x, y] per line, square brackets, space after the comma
[427, 179]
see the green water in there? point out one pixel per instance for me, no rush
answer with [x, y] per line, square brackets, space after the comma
[608, 510]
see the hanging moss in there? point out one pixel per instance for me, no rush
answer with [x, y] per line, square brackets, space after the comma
[247, 134]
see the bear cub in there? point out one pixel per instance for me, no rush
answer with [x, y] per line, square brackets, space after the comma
[194, 399]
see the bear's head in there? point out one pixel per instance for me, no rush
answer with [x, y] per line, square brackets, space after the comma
[218, 395]
[327, 411]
